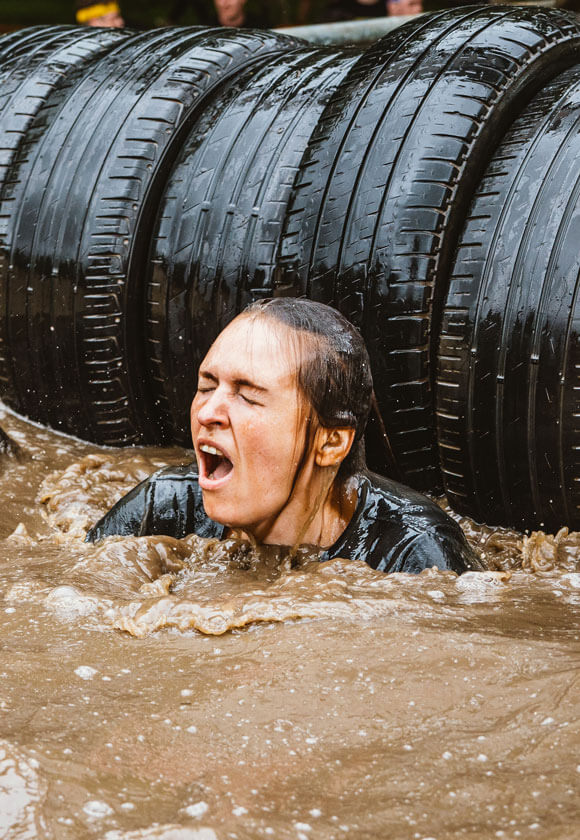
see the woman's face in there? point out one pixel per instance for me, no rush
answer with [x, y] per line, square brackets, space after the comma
[248, 424]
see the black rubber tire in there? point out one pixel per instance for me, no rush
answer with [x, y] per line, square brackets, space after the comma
[387, 180]
[18, 43]
[83, 207]
[218, 233]
[508, 389]
[38, 63]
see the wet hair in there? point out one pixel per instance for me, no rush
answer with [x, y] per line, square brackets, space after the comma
[334, 371]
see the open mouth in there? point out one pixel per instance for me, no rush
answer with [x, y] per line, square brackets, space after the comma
[215, 466]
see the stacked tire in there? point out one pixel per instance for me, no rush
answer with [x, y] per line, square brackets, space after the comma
[77, 205]
[164, 180]
[221, 217]
[386, 183]
[509, 360]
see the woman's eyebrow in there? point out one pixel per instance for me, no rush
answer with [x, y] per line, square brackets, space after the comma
[206, 374]
[239, 381]
[247, 383]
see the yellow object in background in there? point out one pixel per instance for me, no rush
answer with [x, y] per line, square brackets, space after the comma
[97, 11]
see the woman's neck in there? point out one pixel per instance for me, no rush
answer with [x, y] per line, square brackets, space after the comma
[318, 519]
[329, 521]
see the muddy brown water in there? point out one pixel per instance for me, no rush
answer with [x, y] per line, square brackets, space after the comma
[192, 690]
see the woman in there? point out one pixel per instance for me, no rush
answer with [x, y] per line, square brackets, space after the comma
[277, 425]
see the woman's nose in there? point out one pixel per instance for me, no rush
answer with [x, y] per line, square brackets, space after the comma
[213, 409]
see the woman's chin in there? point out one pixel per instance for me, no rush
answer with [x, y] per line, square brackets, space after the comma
[227, 513]
[219, 510]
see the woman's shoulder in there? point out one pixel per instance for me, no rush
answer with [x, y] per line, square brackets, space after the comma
[176, 472]
[399, 529]
[383, 498]
[167, 502]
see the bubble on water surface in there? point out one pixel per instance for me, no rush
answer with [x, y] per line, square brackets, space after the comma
[85, 672]
[198, 809]
[68, 603]
[477, 587]
[97, 810]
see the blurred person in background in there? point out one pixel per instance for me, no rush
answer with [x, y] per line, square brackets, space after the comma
[99, 14]
[230, 12]
[259, 14]
[263, 14]
[404, 7]
[352, 9]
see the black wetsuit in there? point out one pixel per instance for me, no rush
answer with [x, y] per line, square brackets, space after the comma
[393, 529]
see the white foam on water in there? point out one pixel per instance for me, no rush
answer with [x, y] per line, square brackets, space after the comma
[22, 793]
[85, 672]
[97, 810]
[68, 603]
[198, 809]
[163, 832]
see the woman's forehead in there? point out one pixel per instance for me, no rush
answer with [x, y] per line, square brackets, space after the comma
[253, 348]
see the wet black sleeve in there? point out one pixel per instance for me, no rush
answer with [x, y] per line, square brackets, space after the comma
[396, 529]
[129, 517]
[418, 550]
[168, 502]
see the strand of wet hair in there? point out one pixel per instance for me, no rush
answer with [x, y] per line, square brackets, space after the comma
[392, 465]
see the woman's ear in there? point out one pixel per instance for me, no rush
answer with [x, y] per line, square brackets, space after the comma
[332, 446]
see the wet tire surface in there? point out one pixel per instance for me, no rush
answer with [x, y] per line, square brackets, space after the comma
[509, 360]
[37, 70]
[83, 214]
[386, 182]
[221, 217]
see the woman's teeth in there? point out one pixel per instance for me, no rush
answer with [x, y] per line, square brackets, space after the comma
[217, 465]
[209, 449]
